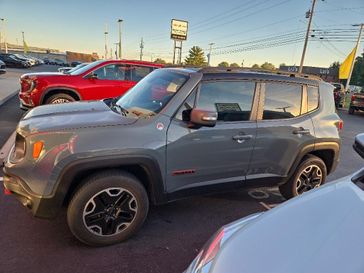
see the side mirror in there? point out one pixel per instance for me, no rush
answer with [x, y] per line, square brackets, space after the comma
[359, 145]
[203, 117]
[92, 76]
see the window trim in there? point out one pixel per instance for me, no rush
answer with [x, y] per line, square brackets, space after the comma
[97, 68]
[252, 117]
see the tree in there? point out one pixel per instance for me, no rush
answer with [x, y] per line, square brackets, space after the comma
[196, 57]
[255, 66]
[159, 61]
[268, 66]
[357, 77]
[335, 65]
[223, 64]
[234, 65]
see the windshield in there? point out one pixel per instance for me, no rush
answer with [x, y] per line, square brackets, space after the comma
[75, 68]
[152, 93]
[85, 68]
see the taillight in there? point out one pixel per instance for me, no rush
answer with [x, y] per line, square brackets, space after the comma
[353, 97]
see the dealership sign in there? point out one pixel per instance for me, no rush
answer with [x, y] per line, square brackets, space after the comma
[179, 30]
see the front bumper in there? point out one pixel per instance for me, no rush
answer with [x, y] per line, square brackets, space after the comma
[26, 101]
[39, 206]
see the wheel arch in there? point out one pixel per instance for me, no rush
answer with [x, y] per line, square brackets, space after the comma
[145, 168]
[60, 89]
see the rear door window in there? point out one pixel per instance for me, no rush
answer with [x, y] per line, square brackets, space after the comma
[282, 101]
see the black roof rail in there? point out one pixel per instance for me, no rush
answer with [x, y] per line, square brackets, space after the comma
[247, 69]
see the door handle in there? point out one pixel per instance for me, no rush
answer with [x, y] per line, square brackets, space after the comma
[242, 138]
[301, 131]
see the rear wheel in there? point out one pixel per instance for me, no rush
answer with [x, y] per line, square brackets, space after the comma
[109, 208]
[310, 173]
[351, 111]
[60, 98]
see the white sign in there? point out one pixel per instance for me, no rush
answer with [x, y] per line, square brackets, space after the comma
[179, 30]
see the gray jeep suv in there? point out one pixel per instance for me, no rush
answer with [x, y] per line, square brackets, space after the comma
[178, 132]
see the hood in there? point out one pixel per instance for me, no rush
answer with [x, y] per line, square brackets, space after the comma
[319, 231]
[70, 116]
[30, 75]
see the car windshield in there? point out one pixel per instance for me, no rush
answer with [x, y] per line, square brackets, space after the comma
[152, 93]
[85, 68]
[75, 68]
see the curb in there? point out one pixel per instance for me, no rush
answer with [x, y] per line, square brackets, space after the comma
[8, 97]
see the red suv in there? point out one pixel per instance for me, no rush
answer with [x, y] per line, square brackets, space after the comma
[97, 80]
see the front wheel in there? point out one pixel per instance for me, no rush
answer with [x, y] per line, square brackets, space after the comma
[60, 98]
[109, 208]
[310, 173]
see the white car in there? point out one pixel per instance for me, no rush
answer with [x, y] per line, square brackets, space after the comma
[317, 232]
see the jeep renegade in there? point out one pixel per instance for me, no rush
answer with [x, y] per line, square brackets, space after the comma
[178, 132]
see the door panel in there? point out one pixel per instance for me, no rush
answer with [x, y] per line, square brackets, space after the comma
[204, 156]
[283, 131]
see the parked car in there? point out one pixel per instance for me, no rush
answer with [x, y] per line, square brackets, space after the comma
[339, 94]
[313, 233]
[97, 80]
[178, 132]
[31, 62]
[357, 102]
[2, 67]
[76, 63]
[60, 62]
[64, 69]
[11, 61]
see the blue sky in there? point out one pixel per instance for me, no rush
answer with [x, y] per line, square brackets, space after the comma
[79, 26]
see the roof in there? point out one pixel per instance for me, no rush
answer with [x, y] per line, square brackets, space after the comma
[134, 62]
[232, 72]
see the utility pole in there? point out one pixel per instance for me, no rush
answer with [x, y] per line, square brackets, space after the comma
[4, 34]
[209, 55]
[310, 14]
[356, 49]
[120, 21]
[141, 49]
[106, 33]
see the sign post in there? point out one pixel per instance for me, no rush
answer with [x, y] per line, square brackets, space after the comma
[179, 30]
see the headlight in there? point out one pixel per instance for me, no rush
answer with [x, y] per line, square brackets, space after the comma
[204, 259]
[27, 84]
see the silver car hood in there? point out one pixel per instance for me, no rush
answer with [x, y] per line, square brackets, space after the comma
[321, 231]
[70, 116]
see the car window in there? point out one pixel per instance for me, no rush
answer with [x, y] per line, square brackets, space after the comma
[232, 100]
[312, 98]
[113, 72]
[282, 101]
[184, 111]
[139, 72]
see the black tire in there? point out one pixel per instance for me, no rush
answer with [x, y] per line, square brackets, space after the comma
[89, 195]
[351, 111]
[59, 98]
[294, 188]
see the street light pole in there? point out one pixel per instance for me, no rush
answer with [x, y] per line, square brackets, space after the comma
[106, 41]
[22, 33]
[4, 34]
[307, 35]
[120, 21]
[356, 49]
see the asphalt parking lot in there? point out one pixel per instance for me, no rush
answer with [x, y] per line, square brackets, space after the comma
[170, 238]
